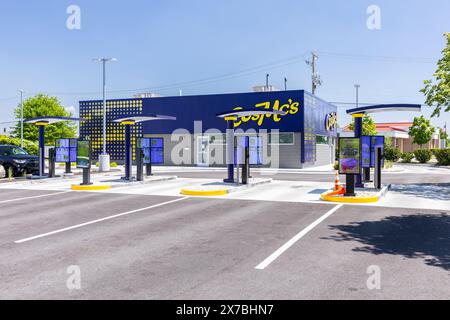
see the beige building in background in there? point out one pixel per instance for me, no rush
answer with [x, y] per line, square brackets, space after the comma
[398, 131]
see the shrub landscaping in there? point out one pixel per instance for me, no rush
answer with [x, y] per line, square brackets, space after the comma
[407, 157]
[442, 156]
[423, 155]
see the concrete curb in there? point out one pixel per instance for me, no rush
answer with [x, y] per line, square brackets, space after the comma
[223, 191]
[133, 183]
[78, 187]
[362, 199]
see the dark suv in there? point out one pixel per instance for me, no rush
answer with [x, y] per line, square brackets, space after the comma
[18, 159]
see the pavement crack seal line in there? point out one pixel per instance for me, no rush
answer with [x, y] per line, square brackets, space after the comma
[33, 197]
[97, 220]
[294, 239]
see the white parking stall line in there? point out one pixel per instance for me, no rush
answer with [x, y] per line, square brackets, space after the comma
[34, 197]
[98, 220]
[294, 239]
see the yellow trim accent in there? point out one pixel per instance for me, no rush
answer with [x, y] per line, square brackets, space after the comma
[230, 118]
[219, 192]
[326, 197]
[90, 187]
[358, 115]
[128, 122]
[41, 123]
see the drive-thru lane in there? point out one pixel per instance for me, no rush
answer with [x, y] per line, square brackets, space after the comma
[208, 248]
[33, 216]
[339, 257]
[152, 254]
[10, 195]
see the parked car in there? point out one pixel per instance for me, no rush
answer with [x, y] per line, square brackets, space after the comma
[19, 160]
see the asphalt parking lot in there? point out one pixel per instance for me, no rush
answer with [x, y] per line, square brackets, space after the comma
[130, 246]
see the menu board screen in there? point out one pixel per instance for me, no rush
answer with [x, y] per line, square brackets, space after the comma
[153, 150]
[349, 155]
[66, 150]
[83, 154]
[365, 151]
[376, 141]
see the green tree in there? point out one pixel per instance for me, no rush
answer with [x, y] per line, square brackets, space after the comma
[39, 106]
[421, 130]
[369, 127]
[437, 92]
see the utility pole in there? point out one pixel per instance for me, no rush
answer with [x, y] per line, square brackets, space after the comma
[267, 82]
[315, 78]
[21, 116]
[104, 158]
[285, 84]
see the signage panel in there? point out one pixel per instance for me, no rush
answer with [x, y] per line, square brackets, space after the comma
[83, 154]
[349, 155]
[66, 150]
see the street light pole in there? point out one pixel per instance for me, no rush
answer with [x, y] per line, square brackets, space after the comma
[104, 158]
[104, 105]
[21, 117]
[357, 94]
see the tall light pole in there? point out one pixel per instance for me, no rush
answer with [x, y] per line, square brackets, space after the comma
[357, 93]
[21, 116]
[104, 158]
[285, 84]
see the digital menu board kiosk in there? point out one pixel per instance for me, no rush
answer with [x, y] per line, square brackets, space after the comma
[349, 162]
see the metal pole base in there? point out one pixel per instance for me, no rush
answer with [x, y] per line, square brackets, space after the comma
[349, 185]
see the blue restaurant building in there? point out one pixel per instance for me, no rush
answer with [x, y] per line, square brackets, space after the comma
[305, 135]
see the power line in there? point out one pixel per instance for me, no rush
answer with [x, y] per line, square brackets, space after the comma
[249, 71]
[381, 58]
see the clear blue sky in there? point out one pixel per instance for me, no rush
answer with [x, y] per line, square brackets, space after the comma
[160, 43]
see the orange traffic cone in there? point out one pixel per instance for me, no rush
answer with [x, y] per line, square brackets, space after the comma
[337, 183]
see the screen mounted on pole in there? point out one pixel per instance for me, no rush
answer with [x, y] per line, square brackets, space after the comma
[83, 154]
[349, 155]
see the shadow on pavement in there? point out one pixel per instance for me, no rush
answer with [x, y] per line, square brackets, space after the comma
[421, 236]
[435, 191]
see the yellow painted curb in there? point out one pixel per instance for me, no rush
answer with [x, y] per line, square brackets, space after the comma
[90, 187]
[326, 197]
[219, 192]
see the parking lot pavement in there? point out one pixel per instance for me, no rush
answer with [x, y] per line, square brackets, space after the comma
[156, 253]
[409, 174]
[157, 247]
[31, 216]
[9, 195]
[147, 241]
[409, 248]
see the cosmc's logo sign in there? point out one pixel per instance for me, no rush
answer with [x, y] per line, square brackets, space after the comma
[330, 121]
[289, 108]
